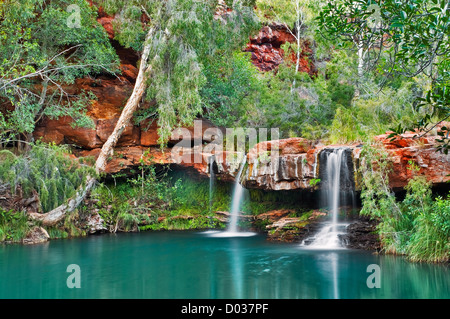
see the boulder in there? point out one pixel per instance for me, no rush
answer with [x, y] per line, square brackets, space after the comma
[149, 134]
[294, 229]
[62, 130]
[286, 221]
[274, 215]
[224, 216]
[407, 152]
[361, 234]
[129, 71]
[130, 135]
[36, 235]
[95, 223]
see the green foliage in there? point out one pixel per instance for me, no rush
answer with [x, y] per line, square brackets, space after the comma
[375, 111]
[314, 182]
[13, 226]
[136, 201]
[182, 223]
[429, 240]
[186, 38]
[285, 11]
[193, 195]
[418, 226]
[240, 96]
[46, 169]
[377, 198]
[57, 233]
[176, 201]
[229, 90]
[40, 53]
[407, 38]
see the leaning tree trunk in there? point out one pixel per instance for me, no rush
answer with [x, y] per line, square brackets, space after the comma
[128, 111]
[58, 214]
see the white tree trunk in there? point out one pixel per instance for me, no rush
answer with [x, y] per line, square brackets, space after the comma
[129, 109]
[361, 64]
[58, 214]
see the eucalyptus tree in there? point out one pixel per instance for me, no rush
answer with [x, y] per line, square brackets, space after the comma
[40, 54]
[175, 38]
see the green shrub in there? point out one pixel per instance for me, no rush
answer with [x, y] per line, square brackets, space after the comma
[430, 239]
[46, 169]
[418, 226]
[136, 201]
[13, 226]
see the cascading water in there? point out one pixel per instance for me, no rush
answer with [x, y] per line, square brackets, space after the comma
[236, 202]
[212, 179]
[336, 185]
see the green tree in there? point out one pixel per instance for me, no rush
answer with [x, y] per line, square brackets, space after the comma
[407, 38]
[40, 54]
[185, 37]
[173, 37]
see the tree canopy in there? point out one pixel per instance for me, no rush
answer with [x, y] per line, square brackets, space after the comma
[40, 52]
[402, 38]
[186, 36]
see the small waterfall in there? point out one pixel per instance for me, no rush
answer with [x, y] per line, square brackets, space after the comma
[337, 184]
[334, 183]
[212, 180]
[236, 202]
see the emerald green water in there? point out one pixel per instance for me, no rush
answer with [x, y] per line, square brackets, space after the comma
[193, 265]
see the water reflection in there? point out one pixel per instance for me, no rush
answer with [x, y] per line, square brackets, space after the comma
[192, 265]
[334, 265]
[237, 267]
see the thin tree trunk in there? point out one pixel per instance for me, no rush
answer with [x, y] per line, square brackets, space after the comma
[124, 120]
[58, 214]
[361, 56]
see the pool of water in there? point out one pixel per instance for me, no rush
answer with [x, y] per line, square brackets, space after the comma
[195, 265]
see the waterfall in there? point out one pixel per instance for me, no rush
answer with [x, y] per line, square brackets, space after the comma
[212, 179]
[336, 185]
[236, 202]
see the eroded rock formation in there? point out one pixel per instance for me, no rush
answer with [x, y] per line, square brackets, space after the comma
[267, 52]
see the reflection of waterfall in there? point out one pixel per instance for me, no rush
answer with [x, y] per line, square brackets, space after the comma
[334, 263]
[337, 184]
[237, 268]
[237, 199]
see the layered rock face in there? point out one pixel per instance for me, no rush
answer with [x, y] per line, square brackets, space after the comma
[408, 152]
[281, 165]
[267, 54]
[300, 167]
[287, 164]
